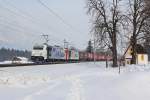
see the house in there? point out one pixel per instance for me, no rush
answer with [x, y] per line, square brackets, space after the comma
[141, 56]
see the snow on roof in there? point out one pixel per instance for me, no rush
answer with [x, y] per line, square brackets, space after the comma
[23, 58]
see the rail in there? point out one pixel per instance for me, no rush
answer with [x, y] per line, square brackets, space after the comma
[33, 64]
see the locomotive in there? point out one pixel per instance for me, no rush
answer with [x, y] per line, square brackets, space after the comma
[47, 53]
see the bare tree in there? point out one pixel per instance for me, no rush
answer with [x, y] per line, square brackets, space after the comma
[106, 21]
[137, 17]
[147, 3]
[147, 27]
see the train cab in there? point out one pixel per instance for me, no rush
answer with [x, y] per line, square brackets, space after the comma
[39, 53]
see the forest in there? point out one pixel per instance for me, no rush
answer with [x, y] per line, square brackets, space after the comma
[8, 54]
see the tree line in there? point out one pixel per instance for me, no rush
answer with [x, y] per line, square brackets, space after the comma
[8, 54]
[117, 20]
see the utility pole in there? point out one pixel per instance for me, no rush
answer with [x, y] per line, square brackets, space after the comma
[94, 49]
[65, 44]
[106, 58]
[45, 36]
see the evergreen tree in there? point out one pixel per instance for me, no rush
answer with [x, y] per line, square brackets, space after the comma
[8, 54]
[90, 47]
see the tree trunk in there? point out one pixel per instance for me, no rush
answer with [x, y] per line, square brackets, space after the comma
[134, 43]
[114, 50]
[114, 56]
[134, 37]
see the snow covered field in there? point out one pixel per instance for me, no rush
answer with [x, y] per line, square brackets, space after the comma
[84, 81]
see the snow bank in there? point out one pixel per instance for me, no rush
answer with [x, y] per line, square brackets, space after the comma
[21, 80]
[136, 68]
[17, 60]
[6, 62]
[83, 81]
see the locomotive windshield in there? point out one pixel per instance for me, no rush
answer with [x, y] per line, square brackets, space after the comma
[38, 47]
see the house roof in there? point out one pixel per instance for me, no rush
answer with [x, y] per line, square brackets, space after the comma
[140, 50]
[127, 49]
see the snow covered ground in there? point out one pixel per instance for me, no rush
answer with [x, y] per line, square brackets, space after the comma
[83, 81]
[19, 60]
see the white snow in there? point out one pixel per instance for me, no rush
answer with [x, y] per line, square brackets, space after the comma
[23, 61]
[83, 81]
[6, 62]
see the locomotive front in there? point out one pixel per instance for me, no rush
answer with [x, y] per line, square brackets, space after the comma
[39, 53]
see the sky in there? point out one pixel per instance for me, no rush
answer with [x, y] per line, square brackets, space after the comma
[22, 22]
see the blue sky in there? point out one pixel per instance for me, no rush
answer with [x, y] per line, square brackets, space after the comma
[23, 21]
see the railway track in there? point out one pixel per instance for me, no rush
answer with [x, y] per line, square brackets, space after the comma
[33, 64]
[36, 64]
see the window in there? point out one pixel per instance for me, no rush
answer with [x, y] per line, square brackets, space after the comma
[131, 51]
[49, 49]
[38, 47]
[128, 62]
[142, 57]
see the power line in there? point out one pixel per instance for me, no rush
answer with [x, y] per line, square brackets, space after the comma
[27, 17]
[26, 14]
[54, 13]
[12, 27]
[19, 26]
[58, 16]
[23, 14]
[21, 29]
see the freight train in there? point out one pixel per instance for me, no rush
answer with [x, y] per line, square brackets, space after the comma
[46, 53]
